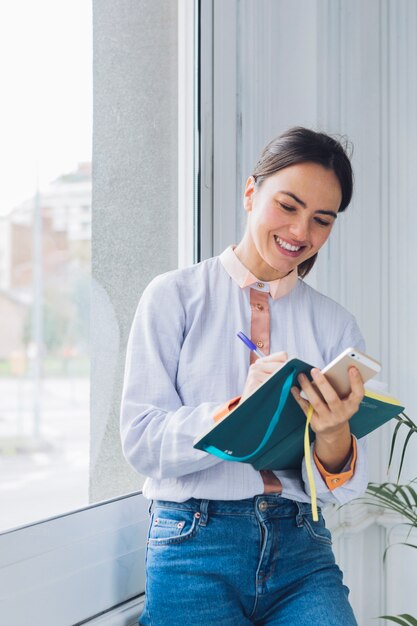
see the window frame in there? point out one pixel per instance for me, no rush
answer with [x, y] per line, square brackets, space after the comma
[88, 565]
[46, 568]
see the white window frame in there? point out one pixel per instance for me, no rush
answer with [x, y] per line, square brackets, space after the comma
[68, 569]
[88, 565]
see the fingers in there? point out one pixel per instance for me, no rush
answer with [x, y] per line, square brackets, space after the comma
[328, 393]
[264, 366]
[304, 404]
[268, 364]
[357, 388]
[350, 404]
[275, 357]
[330, 410]
[262, 369]
[319, 404]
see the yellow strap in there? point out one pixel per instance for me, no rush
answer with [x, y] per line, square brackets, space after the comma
[307, 455]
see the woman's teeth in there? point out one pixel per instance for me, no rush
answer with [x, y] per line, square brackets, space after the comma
[285, 245]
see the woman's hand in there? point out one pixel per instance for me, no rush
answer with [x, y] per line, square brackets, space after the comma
[262, 369]
[330, 420]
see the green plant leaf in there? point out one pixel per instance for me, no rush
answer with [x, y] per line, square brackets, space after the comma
[404, 543]
[392, 545]
[401, 499]
[402, 490]
[404, 619]
[413, 430]
[384, 493]
[401, 421]
[413, 493]
[409, 420]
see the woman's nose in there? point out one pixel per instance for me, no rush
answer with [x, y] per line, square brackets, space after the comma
[299, 229]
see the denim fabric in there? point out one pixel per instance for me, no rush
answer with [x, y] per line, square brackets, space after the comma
[260, 561]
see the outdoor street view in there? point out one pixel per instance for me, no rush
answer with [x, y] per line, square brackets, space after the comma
[45, 258]
[44, 351]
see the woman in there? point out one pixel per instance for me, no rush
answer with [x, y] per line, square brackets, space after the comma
[228, 544]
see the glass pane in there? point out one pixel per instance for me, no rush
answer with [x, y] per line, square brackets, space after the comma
[45, 250]
[65, 259]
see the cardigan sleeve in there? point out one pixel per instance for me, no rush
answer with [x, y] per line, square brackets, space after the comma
[157, 430]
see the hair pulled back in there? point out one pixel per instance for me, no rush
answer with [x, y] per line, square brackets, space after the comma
[302, 145]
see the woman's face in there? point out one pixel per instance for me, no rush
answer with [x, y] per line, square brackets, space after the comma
[290, 216]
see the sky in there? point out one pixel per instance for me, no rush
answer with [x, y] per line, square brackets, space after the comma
[46, 103]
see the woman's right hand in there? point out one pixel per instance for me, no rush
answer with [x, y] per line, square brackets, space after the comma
[262, 369]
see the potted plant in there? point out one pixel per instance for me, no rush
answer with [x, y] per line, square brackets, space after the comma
[398, 498]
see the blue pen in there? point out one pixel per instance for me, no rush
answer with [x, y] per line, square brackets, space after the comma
[250, 344]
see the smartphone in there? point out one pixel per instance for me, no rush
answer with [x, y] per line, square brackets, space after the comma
[336, 372]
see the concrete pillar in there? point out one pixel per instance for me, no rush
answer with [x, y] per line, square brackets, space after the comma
[134, 226]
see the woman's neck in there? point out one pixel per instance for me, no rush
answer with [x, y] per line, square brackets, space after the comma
[249, 256]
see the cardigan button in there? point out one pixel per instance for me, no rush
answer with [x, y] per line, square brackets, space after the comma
[260, 307]
[260, 344]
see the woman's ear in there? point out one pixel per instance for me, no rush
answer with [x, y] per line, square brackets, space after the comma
[249, 189]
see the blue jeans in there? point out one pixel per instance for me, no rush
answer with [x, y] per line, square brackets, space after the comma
[259, 561]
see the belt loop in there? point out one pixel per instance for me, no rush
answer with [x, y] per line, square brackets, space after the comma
[203, 515]
[299, 517]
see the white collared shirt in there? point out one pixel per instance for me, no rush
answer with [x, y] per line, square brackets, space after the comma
[184, 361]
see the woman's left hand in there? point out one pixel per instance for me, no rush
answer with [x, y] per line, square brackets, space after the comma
[330, 420]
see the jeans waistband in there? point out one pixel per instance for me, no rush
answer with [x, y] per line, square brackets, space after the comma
[270, 505]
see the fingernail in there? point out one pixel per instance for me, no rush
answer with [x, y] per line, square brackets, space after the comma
[315, 372]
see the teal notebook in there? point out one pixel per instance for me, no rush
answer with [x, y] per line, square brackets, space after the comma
[267, 429]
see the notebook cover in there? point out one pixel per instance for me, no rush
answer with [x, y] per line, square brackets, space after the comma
[242, 430]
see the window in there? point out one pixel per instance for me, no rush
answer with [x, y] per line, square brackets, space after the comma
[46, 251]
[137, 232]
[134, 236]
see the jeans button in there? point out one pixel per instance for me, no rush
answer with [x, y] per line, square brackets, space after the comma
[263, 506]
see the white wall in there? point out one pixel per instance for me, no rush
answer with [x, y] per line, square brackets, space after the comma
[349, 67]
[369, 264]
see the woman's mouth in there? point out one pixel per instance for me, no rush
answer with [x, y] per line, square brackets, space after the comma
[287, 248]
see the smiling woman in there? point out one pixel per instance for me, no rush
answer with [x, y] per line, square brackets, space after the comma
[303, 170]
[286, 228]
[185, 370]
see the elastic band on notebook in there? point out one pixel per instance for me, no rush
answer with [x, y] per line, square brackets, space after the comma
[307, 455]
[226, 456]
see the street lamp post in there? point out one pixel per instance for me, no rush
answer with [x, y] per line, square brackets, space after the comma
[37, 313]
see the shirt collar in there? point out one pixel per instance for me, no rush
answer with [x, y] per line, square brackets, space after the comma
[244, 277]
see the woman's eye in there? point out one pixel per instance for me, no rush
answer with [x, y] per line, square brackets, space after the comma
[322, 222]
[291, 209]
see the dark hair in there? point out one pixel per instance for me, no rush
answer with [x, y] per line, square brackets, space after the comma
[301, 145]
